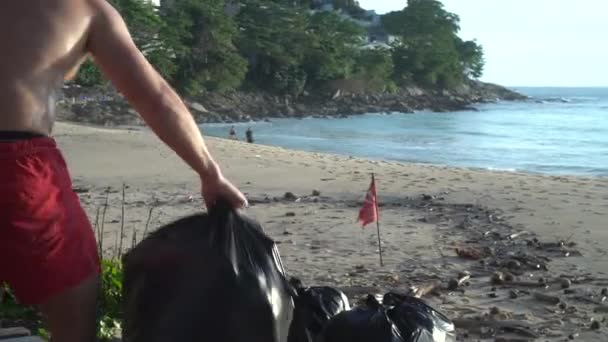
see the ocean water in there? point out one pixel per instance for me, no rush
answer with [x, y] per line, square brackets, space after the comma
[561, 131]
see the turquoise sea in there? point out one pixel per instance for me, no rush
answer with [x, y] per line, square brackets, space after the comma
[562, 131]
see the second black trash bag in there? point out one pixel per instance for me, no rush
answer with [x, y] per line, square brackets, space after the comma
[417, 321]
[401, 319]
[367, 323]
[315, 306]
[208, 277]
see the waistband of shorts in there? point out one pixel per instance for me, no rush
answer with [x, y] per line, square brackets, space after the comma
[25, 146]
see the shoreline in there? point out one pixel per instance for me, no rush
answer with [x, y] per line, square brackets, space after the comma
[427, 164]
[142, 128]
[104, 106]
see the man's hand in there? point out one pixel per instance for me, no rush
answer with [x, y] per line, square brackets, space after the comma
[216, 187]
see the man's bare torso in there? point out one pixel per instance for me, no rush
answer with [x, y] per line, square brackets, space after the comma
[42, 41]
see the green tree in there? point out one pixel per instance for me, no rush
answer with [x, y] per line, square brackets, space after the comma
[273, 38]
[149, 33]
[429, 51]
[147, 29]
[376, 67]
[89, 75]
[336, 42]
[425, 18]
[200, 36]
[289, 48]
[280, 46]
[471, 57]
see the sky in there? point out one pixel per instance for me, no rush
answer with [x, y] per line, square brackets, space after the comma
[532, 42]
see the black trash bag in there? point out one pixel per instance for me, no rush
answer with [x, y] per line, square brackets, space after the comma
[367, 323]
[417, 321]
[401, 319]
[315, 306]
[208, 277]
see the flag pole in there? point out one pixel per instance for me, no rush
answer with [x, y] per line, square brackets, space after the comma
[377, 223]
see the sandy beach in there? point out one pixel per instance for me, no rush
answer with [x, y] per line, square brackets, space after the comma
[426, 213]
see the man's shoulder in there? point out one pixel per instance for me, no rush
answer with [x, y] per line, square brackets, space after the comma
[104, 18]
[102, 10]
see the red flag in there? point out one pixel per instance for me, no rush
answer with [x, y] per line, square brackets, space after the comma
[369, 211]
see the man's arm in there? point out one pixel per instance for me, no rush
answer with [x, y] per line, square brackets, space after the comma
[119, 59]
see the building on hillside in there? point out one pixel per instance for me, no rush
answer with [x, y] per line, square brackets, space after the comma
[379, 34]
[323, 5]
[320, 3]
[374, 17]
[232, 8]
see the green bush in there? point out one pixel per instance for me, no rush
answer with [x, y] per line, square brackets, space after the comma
[109, 309]
[110, 300]
[89, 75]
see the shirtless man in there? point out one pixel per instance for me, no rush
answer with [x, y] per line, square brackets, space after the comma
[47, 247]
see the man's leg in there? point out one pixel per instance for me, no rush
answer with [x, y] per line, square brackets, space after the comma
[71, 315]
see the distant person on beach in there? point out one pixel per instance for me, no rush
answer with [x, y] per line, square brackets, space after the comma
[232, 133]
[249, 135]
[48, 253]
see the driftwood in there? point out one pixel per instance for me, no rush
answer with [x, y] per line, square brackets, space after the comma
[122, 221]
[526, 283]
[103, 221]
[454, 283]
[148, 222]
[516, 235]
[424, 290]
[7, 333]
[510, 339]
[517, 327]
[603, 308]
[473, 253]
[546, 298]
[589, 300]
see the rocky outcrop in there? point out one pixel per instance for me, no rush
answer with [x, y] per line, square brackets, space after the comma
[106, 107]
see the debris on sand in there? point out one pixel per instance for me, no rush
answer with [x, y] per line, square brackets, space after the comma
[473, 253]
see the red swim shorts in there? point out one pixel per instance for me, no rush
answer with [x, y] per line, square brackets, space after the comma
[47, 244]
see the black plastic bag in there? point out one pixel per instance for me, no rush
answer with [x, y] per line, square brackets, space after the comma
[208, 277]
[417, 321]
[315, 306]
[368, 323]
[401, 319]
